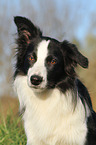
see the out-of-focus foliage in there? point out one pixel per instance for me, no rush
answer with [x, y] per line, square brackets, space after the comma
[12, 131]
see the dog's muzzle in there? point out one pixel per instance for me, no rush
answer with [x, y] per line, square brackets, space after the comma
[36, 80]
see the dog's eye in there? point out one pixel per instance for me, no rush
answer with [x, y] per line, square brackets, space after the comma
[31, 58]
[53, 61]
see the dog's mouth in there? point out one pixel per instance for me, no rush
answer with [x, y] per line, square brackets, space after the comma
[37, 88]
[37, 83]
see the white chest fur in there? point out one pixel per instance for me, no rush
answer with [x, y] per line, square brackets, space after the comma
[50, 118]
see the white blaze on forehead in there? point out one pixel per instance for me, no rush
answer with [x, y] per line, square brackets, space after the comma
[42, 51]
[39, 67]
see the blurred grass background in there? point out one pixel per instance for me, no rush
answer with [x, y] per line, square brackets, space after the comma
[61, 19]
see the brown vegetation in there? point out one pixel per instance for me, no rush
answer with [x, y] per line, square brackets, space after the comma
[7, 105]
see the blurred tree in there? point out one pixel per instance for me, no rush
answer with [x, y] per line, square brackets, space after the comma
[91, 43]
[5, 52]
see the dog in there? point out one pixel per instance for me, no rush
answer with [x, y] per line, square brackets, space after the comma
[55, 105]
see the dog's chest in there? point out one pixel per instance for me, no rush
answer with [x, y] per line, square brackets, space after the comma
[50, 120]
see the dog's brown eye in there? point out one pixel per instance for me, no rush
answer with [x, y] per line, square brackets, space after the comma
[31, 58]
[53, 61]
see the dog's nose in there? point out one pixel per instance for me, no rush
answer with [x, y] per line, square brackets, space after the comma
[36, 80]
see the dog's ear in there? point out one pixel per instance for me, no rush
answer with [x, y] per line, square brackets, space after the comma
[72, 56]
[26, 29]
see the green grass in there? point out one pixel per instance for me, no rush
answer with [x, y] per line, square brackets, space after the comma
[11, 130]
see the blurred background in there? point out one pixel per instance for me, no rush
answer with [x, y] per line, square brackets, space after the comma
[61, 19]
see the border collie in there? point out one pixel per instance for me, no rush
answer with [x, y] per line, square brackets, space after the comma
[57, 106]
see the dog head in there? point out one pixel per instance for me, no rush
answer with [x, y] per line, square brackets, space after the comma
[44, 60]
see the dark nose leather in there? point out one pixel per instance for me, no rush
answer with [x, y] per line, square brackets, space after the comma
[36, 80]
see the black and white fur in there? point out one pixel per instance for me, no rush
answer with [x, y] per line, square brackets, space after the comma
[58, 109]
